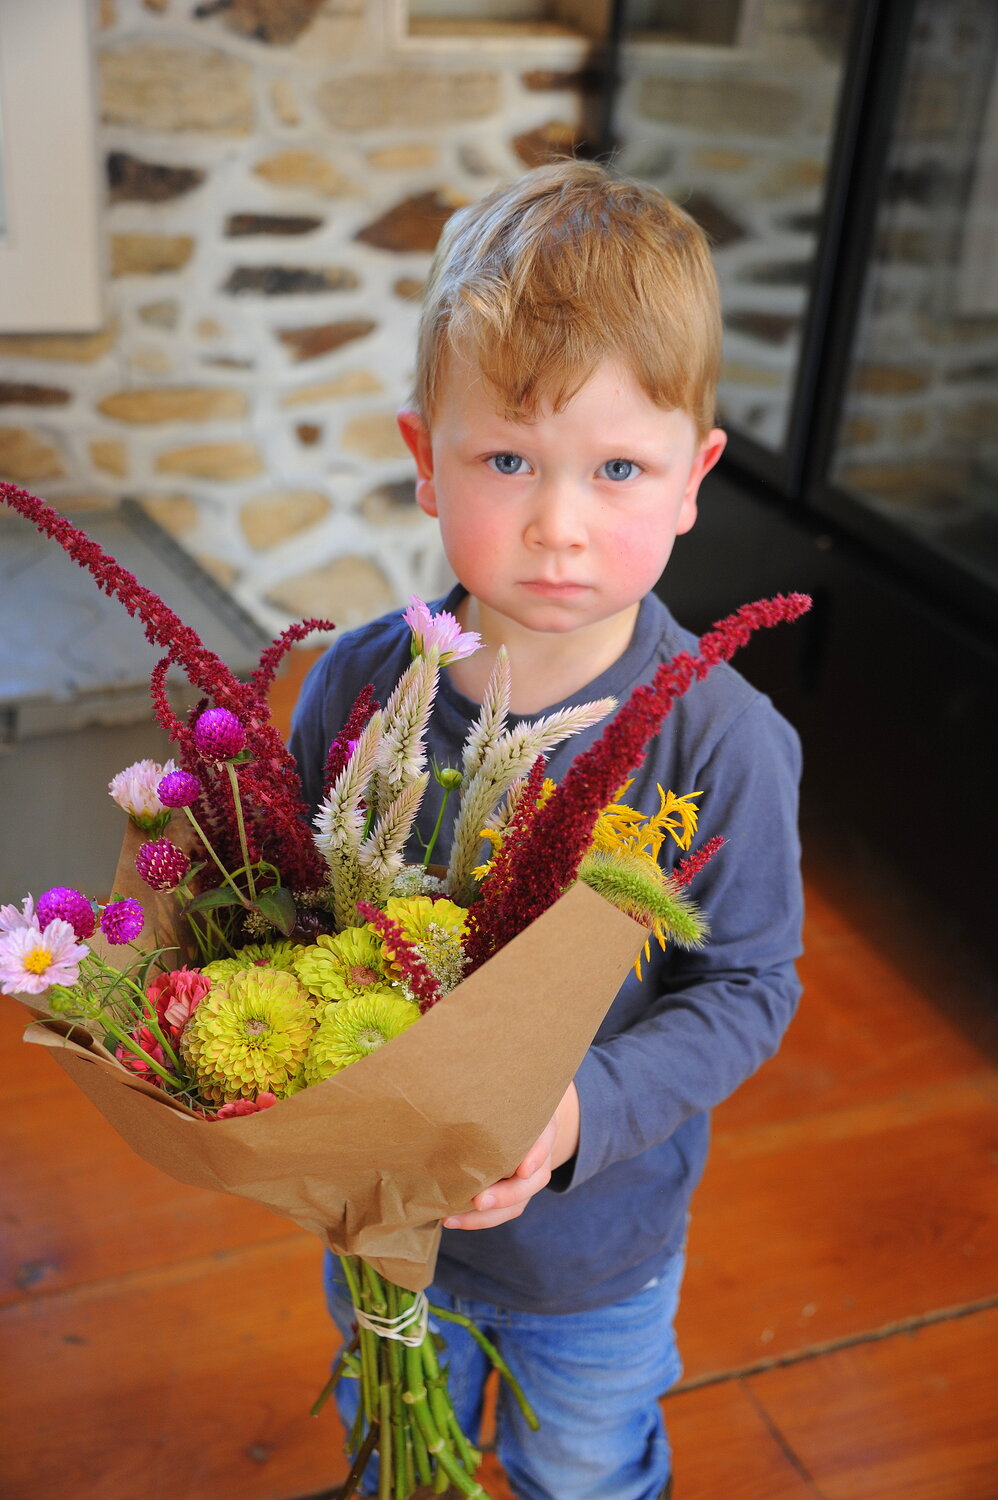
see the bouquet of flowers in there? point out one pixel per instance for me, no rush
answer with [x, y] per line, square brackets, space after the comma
[218, 1006]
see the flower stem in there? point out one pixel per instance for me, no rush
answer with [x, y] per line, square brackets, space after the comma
[437, 827]
[493, 1353]
[241, 825]
[208, 847]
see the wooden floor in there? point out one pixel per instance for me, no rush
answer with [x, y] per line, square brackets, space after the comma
[840, 1317]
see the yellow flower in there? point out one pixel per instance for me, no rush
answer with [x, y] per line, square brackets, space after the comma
[279, 955]
[249, 1034]
[353, 1029]
[624, 829]
[344, 966]
[423, 921]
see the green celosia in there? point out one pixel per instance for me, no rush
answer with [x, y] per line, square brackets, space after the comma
[341, 967]
[354, 1029]
[646, 894]
[249, 1033]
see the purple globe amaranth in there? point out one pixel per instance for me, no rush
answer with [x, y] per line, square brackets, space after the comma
[73, 907]
[219, 735]
[162, 864]
[179, 789]
[121, 921]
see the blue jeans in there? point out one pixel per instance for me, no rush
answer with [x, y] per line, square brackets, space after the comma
[594, 1380]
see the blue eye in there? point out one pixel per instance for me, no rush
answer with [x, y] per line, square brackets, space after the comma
[617, 468]
[507, 463]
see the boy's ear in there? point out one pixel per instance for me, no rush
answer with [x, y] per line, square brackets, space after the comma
[704, 460]
[416, 436]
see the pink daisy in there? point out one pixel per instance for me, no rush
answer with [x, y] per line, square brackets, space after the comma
[33, 959]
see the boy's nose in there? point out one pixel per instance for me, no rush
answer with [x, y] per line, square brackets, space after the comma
[556, 520]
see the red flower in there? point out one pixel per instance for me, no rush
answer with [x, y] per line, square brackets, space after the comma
[246, 1106]
[176, 995]
[412, 963]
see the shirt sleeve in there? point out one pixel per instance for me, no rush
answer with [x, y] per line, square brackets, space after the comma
[712, 1016]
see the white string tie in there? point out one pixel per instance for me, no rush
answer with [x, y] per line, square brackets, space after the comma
[408, 1328]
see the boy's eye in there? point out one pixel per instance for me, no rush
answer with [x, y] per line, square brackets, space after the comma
[617, 468]
[507, 463]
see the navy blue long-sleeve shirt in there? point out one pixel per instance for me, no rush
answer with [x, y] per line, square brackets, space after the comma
[674, 1043]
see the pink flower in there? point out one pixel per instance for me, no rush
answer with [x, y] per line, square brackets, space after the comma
[246, 1106]
[175, 996]
[33, 958]
[10, 917]
[135, 790]
[136, 1064]
[438, 635]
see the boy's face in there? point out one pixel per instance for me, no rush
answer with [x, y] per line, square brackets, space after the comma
[567, 521]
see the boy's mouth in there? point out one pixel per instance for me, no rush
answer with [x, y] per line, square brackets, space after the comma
[553, 588]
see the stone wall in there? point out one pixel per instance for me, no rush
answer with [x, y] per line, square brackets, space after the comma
[278, 172]
[741, 137]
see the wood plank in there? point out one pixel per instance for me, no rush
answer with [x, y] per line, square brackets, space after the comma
[78, 1204]
[912, 1416]
[188, 1383]
[722, 1446]
[843, 1224]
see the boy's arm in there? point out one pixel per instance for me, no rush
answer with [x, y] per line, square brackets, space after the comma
[716, 1014]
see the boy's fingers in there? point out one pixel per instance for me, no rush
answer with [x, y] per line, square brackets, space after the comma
[504, 1200]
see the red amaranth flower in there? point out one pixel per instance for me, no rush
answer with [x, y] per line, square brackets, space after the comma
[121, 921]
[263, 675]
[691, 866]
[289, 847]
[408, 958]
[73, 907]
[342, 747]
[162, 864]
[545, 861]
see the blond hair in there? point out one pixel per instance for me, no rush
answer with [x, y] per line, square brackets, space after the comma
[542, 280]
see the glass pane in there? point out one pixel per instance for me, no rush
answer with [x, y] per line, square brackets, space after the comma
[919, 437]
[740, 135]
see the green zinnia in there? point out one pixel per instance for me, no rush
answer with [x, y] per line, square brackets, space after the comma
[344, 966]
[354, 1029]
[279, 955]
[248, 1034]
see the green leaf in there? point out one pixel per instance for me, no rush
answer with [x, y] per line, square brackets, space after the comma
[222, 895]
[278, 906]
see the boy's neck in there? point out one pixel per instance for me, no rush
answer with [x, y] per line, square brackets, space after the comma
[545, 668]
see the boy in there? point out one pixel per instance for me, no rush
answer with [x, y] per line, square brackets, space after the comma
[561, 426]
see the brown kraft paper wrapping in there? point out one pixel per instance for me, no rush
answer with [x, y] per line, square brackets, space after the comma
[372, 1159]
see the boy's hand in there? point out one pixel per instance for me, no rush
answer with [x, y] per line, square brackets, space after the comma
[507, 1199]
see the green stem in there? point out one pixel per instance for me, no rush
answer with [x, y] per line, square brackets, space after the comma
[436, 1442]
[497, 1360]
[334, 1378]
[121, 1035]
[437, 827]
[240, 824]
[210, 851]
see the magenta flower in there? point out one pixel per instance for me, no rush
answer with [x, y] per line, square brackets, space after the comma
[10, 917]
[74, 908]
[179, 789]
[219, 735]
[135, 1064]
[32, 959]
[121, 921]
[162, 864]
[438, 635]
